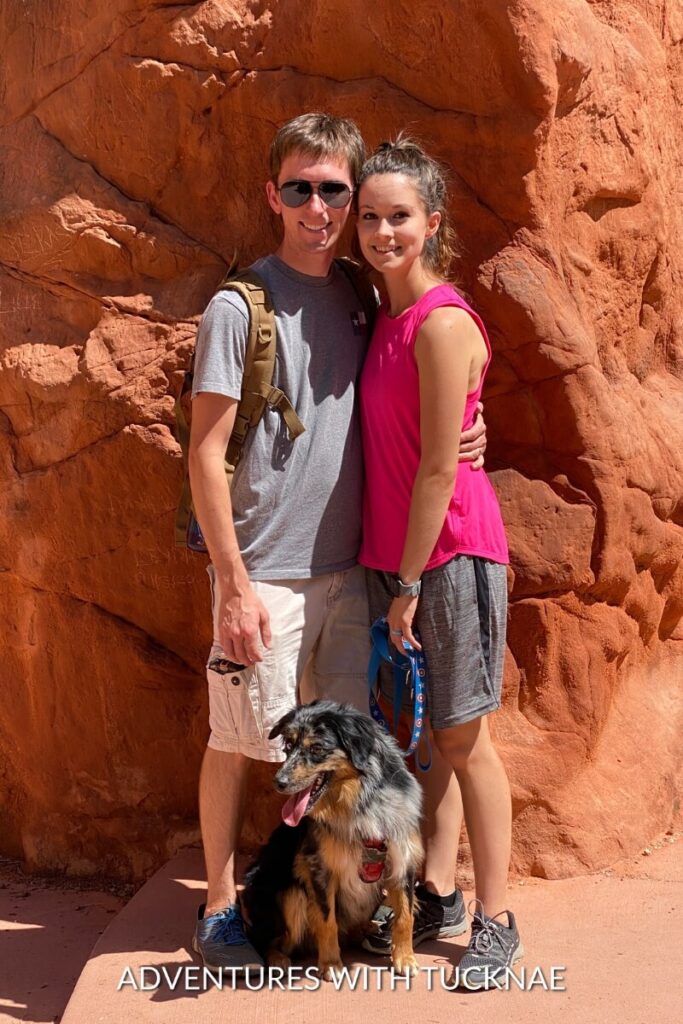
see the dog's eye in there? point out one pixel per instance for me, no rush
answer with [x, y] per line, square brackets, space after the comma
[316, 750]
[289, 746]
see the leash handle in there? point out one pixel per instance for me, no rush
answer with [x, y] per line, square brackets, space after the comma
[411, 665]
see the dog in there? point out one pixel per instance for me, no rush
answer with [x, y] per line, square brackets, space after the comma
[351, 798]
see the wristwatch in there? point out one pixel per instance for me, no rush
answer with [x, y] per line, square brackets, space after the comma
[402, 589]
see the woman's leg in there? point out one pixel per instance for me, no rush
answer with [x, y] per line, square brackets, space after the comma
[442, 824]
[487, 806]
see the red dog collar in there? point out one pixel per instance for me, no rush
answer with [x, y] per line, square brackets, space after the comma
[373, 859]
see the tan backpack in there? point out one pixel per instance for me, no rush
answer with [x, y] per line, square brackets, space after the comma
[257, 385]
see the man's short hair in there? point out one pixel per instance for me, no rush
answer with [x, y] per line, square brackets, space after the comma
[320, 135]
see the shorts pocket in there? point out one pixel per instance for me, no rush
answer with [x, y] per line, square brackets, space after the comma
[272, 711]
[234, 705]
[273, 692]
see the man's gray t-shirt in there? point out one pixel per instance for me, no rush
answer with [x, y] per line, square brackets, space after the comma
[296, 504]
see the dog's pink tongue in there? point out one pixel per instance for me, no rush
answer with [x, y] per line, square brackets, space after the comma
[295, 808]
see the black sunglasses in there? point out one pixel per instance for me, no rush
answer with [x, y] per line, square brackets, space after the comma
[297, 193]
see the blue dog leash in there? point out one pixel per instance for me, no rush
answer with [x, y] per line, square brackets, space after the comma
[409, 667]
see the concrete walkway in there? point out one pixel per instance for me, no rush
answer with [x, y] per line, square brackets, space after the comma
[617, 937]
[48, 928]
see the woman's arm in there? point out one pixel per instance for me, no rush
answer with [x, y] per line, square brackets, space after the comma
[447, 347]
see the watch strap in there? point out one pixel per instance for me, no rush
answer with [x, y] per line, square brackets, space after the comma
[408, 589]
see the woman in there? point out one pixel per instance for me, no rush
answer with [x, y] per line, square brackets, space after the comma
[433, 541]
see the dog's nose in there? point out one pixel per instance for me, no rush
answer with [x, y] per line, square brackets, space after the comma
[280, 783]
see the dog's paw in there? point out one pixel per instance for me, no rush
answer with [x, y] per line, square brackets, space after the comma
[330, 969]
[404, 964]
[278, 959]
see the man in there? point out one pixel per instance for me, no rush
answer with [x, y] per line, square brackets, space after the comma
[289, 604]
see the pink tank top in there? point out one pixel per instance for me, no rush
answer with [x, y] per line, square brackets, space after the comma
[390, 414]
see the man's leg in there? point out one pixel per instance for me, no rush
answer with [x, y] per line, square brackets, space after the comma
[339, 666]
[222, 791]
[243, 707]
[220, 937]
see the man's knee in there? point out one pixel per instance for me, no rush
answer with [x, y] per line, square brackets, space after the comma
[222, 769]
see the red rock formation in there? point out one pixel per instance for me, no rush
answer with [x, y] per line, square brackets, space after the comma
[133, 157]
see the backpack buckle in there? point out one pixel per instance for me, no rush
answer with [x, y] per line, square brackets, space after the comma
[239, 431]
[274, 397]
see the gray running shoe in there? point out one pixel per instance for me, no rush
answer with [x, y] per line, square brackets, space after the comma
[221, 942]
[433, 920]
[493, 949]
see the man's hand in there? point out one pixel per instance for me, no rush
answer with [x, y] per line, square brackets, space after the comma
[243, 622]
[473, 441]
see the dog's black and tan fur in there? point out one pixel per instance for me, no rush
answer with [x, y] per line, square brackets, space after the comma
[305, 888]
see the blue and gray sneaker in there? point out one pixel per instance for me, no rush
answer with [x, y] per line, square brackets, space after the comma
[221, 942]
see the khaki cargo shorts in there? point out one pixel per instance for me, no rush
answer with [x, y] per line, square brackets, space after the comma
[320, 648]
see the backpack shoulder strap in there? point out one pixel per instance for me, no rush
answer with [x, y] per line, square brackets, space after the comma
[257, 391]
[363, 287]
[259, 364]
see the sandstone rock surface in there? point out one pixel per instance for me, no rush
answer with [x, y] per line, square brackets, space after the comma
[132, 159]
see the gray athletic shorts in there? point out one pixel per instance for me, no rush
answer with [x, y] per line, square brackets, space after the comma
[461, 617]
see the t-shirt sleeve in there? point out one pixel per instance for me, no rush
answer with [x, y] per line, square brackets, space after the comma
[221, 346]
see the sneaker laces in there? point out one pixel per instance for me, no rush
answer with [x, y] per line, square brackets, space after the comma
[229, 929]
[484, 929]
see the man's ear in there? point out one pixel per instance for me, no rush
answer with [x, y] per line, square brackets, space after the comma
[273, 197]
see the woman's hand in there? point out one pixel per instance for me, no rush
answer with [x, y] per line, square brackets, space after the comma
[400, 618]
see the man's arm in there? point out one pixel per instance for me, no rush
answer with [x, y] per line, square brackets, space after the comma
[473, 441]
[243, 619]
